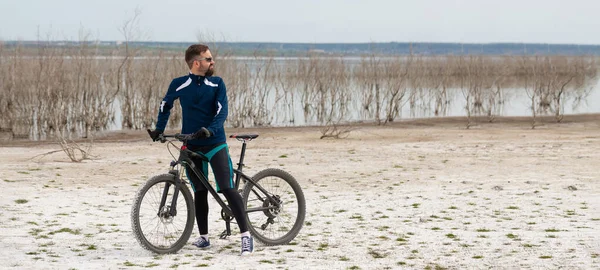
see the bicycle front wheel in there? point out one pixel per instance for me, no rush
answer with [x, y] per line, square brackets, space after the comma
[274, 223]
[155, 225]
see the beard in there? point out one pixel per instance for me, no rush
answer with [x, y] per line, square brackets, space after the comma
[209, 72]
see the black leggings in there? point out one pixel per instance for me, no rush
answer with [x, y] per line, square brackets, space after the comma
[220, 163]
[235, 202]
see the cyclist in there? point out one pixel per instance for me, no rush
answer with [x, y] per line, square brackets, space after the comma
[203, 100]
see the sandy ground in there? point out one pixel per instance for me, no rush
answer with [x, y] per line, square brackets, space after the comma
[500, 196]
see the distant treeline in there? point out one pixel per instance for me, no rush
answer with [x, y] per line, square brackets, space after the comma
[349, 49]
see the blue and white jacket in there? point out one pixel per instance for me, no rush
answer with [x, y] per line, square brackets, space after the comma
[203, 104]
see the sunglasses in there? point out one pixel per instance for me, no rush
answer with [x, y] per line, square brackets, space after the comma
[208, 59]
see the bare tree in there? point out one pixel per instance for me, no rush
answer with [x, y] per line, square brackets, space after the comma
[369, 82]
[395, 85]
[333, 86]
[125, 73]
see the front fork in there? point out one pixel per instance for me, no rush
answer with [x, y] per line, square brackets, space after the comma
[172, 210]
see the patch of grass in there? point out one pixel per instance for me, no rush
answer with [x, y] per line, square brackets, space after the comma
[323, 246]
[128, 263]
[66, 230]
[21, 201]
[383, 228]
[512, 207]
[35, 232]
[451, 236]
[357, 216]
[47, 244]
[552, 230]
[266, 261]
[283, 156]
[545, 257]
[151, 264]
[344, 259]
[477, 257]
[483, 230]
[415, 205]
[511, 236]
[376, 254]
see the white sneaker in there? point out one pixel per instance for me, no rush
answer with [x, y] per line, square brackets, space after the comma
[201, 242]
[247, 245]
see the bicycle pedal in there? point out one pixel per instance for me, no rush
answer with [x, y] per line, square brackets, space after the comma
[224, 235]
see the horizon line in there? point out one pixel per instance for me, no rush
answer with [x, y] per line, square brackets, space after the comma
[277, 42]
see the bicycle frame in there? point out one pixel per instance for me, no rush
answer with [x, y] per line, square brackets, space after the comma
[185, 160]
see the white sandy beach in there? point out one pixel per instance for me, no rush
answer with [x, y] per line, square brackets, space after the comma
[498, 196]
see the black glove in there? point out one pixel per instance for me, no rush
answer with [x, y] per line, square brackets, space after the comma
[202, 133]
[155, 134]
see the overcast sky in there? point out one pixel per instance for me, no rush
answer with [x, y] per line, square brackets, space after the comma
[309, 21]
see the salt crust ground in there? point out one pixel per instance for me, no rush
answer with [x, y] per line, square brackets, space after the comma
[416, 197]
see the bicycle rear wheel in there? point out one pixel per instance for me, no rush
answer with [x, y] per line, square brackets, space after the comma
[154, 227]
[279, 224]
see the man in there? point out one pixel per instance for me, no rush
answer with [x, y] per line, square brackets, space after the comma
[203, 100]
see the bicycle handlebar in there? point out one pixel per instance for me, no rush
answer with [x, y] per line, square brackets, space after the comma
[180, 137]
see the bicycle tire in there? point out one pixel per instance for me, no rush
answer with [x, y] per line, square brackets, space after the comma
[141, 229]
[264, 178]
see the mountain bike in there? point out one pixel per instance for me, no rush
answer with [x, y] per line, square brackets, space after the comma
[163, 214]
